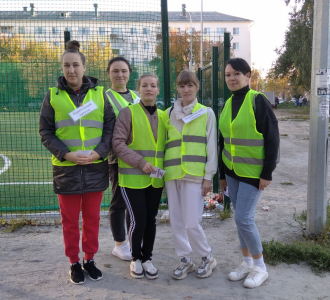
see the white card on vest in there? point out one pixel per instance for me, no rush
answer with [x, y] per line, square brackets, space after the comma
[82, 110]
[195, 115]
[159, 173]
[84, 152]
[137, 100]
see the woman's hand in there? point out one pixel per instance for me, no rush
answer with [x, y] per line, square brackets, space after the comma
[82, 159]
[148, 168]
[206, 187]
[263, 183]
[223, 184]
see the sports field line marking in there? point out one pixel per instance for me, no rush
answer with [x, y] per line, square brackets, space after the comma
[7, 163]
[22, 183]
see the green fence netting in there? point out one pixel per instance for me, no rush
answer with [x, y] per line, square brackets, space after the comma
[31, 44]
[32, 39]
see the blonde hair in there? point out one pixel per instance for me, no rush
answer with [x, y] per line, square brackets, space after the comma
[186, 77]
[148, 75]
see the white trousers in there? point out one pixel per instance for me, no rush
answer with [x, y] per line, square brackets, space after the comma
[186, 204]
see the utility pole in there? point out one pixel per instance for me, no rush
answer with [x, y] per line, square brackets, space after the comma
[319, 120]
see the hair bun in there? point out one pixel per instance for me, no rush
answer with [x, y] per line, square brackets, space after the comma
[73, 45]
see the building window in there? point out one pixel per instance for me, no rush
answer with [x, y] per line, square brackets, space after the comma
[117, 31]
[39, 30]
[68, 29]
[134, 46]
[57, 44]
[236, 46]
[21, 30]
[133, 31]
[221, 31]
[146, 30]
[207, 31]
[102, 30]
[102, 44]
[145, 61]
[117, 51]
[55, 30]
[83, 30]
[158, 29]
[146, 46]
[191, 30]
[134, 60]
[236, 30]
[6, 29]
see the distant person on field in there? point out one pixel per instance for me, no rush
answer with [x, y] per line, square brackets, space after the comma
[249, 141]
[119, 97]
[79, 179]
[305, 101]
[139, 142]
[190, 163]
[300, 101]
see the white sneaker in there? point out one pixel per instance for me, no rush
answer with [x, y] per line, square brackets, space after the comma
[150, 270]
[183, 268]
[136, 269]
[241, 272]
[256, 278]
[123, 251]
[206, 266]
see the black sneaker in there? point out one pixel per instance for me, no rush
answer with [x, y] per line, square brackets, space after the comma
[93, 272]
[76, 274]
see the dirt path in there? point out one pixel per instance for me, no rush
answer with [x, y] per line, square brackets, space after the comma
[34, 266]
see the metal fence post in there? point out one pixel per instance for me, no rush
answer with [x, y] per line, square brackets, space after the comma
[215, 101]
[66, 38]
[199, 76]
[226, 91]
[166, 54]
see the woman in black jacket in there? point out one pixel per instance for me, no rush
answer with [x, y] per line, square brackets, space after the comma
[249, 141]
[76, 126]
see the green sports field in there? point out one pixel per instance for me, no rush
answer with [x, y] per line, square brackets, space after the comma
[26, 186]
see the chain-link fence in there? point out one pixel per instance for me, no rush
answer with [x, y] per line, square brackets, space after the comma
[32, 39]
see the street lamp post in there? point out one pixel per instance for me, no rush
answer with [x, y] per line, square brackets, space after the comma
[190, 58]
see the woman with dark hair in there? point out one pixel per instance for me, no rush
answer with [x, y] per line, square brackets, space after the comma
[76, 125]
[249, 141]
[119, 97]
[139, 141]
[190, 163]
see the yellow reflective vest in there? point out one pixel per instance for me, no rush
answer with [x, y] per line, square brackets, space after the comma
[86, 133]
[185, 152]
[144, 144]
[243, 145]
[117, 101]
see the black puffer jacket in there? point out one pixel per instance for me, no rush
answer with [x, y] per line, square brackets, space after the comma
[77, 179]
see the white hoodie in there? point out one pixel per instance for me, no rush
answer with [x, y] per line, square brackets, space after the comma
[177, 114]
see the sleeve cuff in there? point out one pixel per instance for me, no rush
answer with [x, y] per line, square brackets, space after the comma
[266, 174]
[141, 163]
[208, 177]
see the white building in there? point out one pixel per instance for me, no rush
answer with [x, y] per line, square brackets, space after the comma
[133, 34]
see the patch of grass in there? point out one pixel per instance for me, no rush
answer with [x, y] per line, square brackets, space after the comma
[286, 183]
[315, 250]
[14, 225]
[284, 134]
[225, 214]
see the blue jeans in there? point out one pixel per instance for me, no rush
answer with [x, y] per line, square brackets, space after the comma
[244, 198]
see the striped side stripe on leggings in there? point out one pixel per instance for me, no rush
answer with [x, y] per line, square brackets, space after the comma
[131, 215]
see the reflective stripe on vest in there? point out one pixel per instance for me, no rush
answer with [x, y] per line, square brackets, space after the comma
[144, 144]
[86, 133]
[243, 145]
[117, 101]
[185, 152]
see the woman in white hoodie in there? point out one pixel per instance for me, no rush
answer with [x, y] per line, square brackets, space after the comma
[190, 163]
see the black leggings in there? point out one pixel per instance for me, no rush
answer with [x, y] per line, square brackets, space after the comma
[117, 207]
[142, 205]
